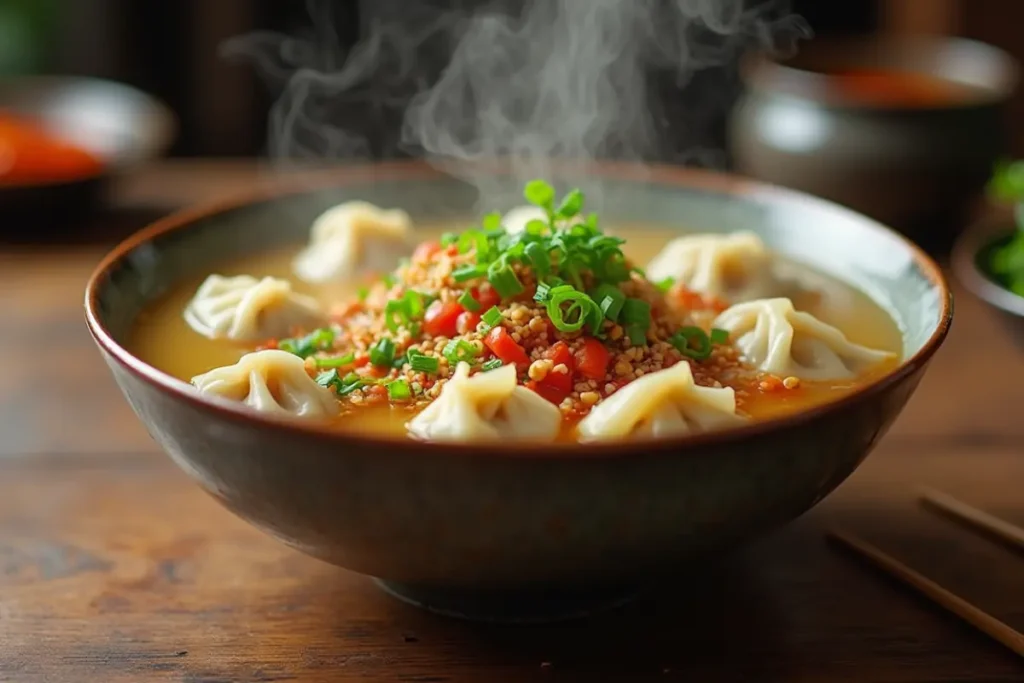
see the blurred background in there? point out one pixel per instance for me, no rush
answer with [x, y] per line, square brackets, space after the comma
[171, 50]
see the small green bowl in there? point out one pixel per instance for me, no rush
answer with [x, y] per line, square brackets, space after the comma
[972, 251]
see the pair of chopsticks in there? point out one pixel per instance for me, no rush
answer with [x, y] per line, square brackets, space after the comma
[976, 519]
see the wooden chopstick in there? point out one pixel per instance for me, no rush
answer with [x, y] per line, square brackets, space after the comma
[973, 517]
[980, 620]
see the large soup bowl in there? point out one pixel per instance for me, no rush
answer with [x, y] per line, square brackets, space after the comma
[501, 531]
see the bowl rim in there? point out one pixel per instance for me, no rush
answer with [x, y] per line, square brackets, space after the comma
[720, 183]
[165, 130]
[764, 74]
[964, 263]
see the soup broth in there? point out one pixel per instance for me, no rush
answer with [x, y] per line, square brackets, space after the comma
[162, 338]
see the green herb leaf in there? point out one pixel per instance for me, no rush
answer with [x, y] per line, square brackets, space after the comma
[539, 193]
[571, 204]
[693, 342]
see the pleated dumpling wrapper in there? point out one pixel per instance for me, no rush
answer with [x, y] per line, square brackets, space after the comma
[782, 341]
[270, 381]
[662, 404]
[354, 239]
[489, 406]
[734, 266]
[246, 309]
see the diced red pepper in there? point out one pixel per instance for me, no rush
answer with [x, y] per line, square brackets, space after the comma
[505, 347]
[425, 251]
[592, 359]
[547, 392]
[441, 319]
[486, 296]
[467, 322]
[559, 354]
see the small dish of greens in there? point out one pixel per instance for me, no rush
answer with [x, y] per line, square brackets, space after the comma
[988, 259]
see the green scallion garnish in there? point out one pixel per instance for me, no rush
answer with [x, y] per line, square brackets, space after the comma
[609, 299]
[492, 318]
[336, 361]
[459, 350]
[468, 272]
[382, 353]
[539, 258]
[504, 281]
[571, 309]
[666, 284]
[342, 386]
[468, 302]
[637, 335]
[719, 336]
[492, 364]
[318, 340]
[448, 239]
[693, 342]
[421, 363]
[636, 313]
[398, 390]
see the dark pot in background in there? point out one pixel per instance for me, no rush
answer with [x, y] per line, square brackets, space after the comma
[918, 166]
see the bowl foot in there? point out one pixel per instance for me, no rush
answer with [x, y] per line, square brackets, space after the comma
[512, 607]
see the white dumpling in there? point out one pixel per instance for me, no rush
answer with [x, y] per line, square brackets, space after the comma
[489, 406]
[354, 238]
[664, 403]
[780, 340]
[515, 220]
[270, 381]
[734, 266]
[244, 308]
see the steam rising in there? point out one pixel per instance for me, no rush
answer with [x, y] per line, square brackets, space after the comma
[571, 79]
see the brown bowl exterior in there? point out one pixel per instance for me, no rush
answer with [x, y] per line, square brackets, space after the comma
[920, 169]
[501, 517]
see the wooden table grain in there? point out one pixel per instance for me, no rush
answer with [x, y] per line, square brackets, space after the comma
[115, 567]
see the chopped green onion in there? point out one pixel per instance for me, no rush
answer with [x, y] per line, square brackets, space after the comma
[580, 310]
[342, 386]
[398, 390]
[448, 239]
[468, 302]
[362, 293]
[571, 204]
[492, 364]
[336, 362]
[492, 318]
[382, 353]
[609, 299]
[504, 281]
[398, 362]
[474, 239]
[468, 272]
[543, 292]
[328, 379]
[318, 340]
[421, 363]
[693, 342]
[389, 280]
[396, 314]
[719, 336]
[636, 313]
[637, 335]
[666, 284]
[458, 350]
[539, 193]
[491, 221]
[539, 258]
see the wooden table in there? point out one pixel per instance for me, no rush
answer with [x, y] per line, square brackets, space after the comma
[115, 567]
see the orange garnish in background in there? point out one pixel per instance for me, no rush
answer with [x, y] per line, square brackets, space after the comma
[30, 154]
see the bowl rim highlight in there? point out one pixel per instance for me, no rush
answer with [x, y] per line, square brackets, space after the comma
[719, 183]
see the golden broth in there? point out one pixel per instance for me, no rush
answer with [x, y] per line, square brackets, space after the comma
[162, 338]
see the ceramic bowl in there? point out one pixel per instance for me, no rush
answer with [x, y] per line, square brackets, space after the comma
[121, 126]
[919, 168]
[502, 532]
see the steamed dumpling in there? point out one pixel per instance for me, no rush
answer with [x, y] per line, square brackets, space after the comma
[244, 308]
[664, 403]
[785, 342]
[735, 266]
[515, 220]
[489, 406]
[270, 381]
[352, 239]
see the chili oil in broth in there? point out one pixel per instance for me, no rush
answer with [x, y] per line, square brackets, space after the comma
[163, 339]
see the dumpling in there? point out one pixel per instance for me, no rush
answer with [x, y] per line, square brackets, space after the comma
[735, 266]
[354, 238]
[271, 381]
[489, 406]
[244, 308]
[515, 220]
[782, 341]
[664, 403]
